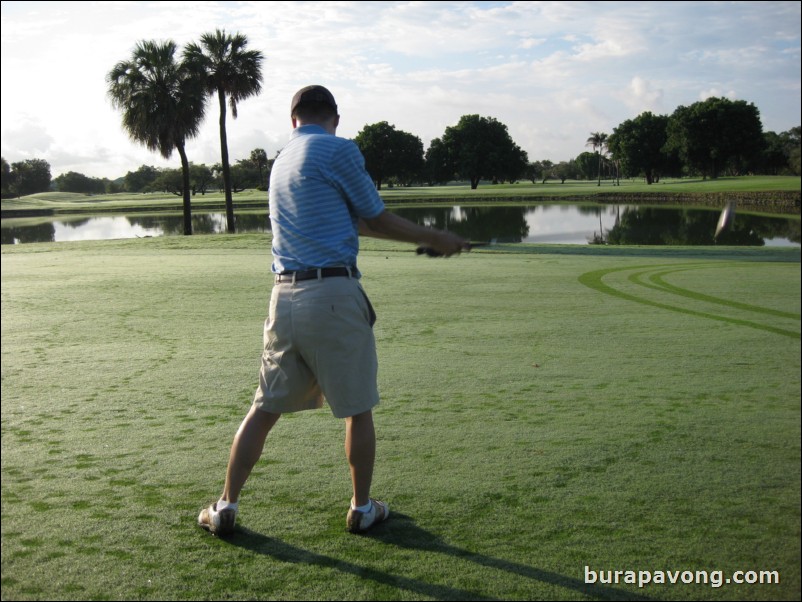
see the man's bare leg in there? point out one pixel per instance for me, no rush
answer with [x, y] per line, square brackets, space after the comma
[360, 449]
[246, 450]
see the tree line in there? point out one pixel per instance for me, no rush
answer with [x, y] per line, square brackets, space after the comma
[708, 138]
[33, 175]
[476, 148]
[250, 173]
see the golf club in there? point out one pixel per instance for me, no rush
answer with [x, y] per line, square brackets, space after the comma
[432, 253]
[726, 219]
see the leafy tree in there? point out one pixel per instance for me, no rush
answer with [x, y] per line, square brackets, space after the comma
[565, 170]
[793, 144]
[586, 165]
[715, 134]
[480, 148]
[245, 174]
[162, 104]
[115, 186]
[170, 180]
[598, 140]
[638, 143]
[410, 161]
[531, 172]
[227, 69]
[262, 163]
[5, 178]
[780, 153]
[78, 182]
[390, 153]
[141, 179]
[29, 177]
[376, 144]
[439, 163]
[539, 171]
[545, 169]
[772, 159]
[201, 178]
[509, 161]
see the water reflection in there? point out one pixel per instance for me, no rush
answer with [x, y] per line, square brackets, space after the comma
[134, 226]
[563, 223]
[649, 226]
[607, 224]
[507, 224]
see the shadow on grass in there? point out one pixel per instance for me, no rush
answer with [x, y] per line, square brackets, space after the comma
[401, 531]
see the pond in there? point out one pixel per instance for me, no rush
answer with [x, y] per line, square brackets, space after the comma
[544, 224]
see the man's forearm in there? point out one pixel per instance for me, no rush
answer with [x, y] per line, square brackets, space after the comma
[391, 226]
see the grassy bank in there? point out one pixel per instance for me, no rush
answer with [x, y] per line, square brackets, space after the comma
[783, 192]
[544, 409]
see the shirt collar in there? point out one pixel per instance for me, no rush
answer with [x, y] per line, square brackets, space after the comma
[307, 129]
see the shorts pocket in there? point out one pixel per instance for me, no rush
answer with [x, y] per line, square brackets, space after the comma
[371, 311]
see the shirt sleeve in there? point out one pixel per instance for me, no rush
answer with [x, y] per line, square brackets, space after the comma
[352, 179]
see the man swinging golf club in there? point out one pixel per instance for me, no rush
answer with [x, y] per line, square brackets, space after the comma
[318, 338]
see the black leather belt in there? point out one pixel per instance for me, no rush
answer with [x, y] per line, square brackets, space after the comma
[312, 274]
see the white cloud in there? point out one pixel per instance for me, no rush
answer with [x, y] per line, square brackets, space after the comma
[552, 71]
[26, 139]
[528, 43]
[715, 92]
[640, 96]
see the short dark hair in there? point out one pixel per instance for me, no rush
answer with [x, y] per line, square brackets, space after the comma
[314, 111]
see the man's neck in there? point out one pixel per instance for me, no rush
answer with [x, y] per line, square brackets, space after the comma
[330, 125]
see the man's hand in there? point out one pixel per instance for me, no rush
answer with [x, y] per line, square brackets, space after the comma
[389, 225]
[444, 244]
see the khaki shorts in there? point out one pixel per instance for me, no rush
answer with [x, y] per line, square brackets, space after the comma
[319, 344]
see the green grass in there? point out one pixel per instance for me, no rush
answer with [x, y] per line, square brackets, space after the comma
[544, 408]
[65, 203]
[68, 202]
[576, 188]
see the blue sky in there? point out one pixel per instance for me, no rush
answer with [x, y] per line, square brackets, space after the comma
[553, 72]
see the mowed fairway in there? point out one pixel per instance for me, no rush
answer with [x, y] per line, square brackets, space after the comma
[544, 409]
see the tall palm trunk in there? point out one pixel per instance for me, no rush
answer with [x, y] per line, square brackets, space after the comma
[225, 67]
[185, 187]
[599, 184]
[221, 95]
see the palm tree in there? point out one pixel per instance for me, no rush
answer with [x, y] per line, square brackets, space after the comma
[227, 69]
[598, 141]
[162, 104]
[259, 159]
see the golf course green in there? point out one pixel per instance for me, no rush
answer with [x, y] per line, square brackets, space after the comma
[776, 193]
[548, 413]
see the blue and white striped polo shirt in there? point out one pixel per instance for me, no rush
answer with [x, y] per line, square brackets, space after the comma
[318, 190]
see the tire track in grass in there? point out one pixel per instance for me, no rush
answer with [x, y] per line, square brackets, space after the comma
[660, 284]
[595, 281]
